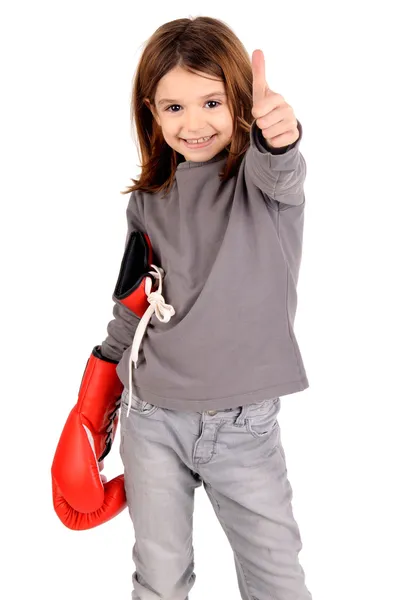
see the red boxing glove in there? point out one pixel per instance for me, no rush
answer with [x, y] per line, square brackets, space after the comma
[82, 498]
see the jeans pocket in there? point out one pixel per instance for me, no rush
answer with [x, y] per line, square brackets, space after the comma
[261, 420]
[138, 406]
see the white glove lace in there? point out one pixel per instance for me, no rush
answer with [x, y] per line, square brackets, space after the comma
[163, 312]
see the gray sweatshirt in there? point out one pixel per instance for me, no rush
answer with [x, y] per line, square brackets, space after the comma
[231, 254]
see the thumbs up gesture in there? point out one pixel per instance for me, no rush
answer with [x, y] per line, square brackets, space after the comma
[273, 115]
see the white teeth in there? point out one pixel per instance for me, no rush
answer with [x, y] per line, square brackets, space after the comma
[199, 141]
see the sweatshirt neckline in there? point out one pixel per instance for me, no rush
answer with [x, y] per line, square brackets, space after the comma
[190, 164]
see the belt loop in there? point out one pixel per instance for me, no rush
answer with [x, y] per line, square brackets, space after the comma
[240, 420]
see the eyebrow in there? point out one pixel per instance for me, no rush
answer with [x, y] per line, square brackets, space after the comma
[172, 101]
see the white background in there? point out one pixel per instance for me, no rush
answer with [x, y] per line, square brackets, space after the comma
[67, 152]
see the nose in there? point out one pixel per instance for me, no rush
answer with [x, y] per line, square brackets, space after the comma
[195, 122]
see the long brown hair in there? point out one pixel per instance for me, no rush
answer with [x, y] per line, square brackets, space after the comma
[201, 44]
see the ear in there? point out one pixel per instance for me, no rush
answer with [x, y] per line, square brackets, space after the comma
[152, 110]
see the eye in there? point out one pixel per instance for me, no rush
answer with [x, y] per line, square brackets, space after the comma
[168, 108]
[175, 111]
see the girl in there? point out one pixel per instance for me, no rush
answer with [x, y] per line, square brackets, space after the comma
[221, 199]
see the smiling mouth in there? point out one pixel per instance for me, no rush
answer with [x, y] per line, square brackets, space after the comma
[201, 140]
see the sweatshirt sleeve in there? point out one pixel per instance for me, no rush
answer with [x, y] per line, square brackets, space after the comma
[278, 173]
[121, 329]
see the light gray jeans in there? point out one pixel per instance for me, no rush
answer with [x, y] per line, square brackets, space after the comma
[238, 457]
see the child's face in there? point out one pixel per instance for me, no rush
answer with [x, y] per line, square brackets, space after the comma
[189, 116]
